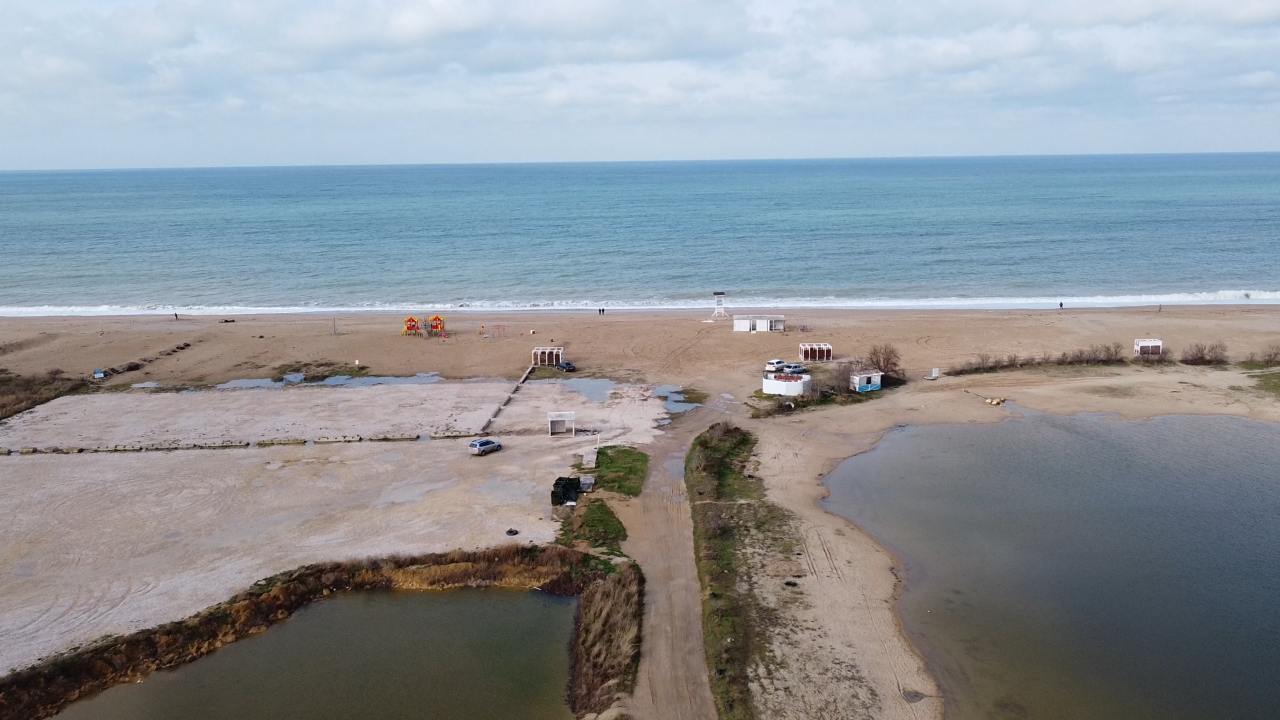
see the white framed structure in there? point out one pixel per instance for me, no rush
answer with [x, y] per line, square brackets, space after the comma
[548, 355]
[562, 423]
[719, 311]
[759, 323]
[865, 380]
[1148, 346]
[815, 352]
[789, 385]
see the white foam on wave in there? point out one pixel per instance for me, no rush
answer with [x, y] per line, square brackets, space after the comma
[1220, 297]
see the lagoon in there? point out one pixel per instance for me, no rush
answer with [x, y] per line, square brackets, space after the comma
[1084, 567]
[391, 655]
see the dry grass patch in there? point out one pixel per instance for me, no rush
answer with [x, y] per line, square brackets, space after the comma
[23, 392]
[606, 650]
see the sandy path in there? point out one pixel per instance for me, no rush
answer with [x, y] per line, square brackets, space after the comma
[672, 682]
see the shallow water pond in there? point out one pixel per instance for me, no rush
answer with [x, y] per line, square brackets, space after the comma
[393, 655]
[1084, 567]
[594, 389]
[335, 381]
[673, 399]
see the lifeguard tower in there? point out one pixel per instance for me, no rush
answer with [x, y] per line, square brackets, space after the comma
[719, 311]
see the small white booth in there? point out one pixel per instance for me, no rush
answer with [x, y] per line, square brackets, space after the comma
[779, 384]
[865, 380]
[759, 323]
[561, 423]
[815, 352]
[547, 355]
[1148, 346]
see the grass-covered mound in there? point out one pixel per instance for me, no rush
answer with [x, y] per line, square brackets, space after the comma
[731, 521]
[621, 469]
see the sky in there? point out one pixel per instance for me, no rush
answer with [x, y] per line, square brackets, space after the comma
[113, 83]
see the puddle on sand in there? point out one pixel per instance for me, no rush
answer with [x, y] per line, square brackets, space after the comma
[593, 389]
[672, 398]
[335, 381]
[145, 385]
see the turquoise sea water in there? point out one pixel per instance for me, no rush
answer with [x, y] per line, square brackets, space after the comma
[975, 232]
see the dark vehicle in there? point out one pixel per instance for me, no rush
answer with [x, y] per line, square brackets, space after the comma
[565, 366]
[484, 446]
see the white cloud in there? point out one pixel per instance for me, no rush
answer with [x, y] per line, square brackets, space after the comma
[747, 77]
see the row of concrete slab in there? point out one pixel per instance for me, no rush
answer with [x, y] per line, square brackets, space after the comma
[226, 444]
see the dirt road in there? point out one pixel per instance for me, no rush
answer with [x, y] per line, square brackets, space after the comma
[672, 683]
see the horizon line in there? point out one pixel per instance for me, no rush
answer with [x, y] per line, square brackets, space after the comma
[687, 161]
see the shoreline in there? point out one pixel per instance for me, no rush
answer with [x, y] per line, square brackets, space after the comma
[1224, 298]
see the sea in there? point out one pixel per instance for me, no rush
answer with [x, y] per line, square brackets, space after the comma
[1007, 232]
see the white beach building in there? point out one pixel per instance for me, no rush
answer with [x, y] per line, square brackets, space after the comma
[865, 380]
[1148, 346]
[759, 323]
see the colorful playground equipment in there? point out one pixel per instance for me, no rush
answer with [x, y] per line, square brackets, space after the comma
[436, 327]
[411, 327]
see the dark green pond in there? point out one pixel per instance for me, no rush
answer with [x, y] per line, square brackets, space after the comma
[1085, 568]
[461, 655]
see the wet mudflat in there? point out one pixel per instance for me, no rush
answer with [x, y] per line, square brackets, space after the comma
[394, 655]
[1084, 567]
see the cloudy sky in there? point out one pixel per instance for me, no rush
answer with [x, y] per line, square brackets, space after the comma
[110, 83]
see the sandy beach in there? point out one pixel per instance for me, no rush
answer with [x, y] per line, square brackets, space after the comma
[850, 654]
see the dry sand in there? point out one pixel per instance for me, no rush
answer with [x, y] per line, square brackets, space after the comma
[851, 660]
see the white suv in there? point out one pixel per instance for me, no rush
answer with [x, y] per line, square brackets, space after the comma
[774, 365]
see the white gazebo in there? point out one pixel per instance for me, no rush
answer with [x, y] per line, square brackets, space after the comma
[1148, 346]
[790, 385]
[561, 423]
[547, 355]
[815, 352]
[759, 323]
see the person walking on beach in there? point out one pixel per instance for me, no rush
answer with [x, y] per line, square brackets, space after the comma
[1059, 306]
